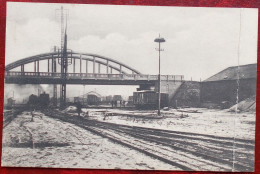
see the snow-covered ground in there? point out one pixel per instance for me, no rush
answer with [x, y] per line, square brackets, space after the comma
[48, 142]
[66, 146]
[205, 121]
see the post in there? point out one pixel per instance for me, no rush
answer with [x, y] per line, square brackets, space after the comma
[55, 85]
[54, 68]
[159, 81]
[64, 63]
[159, 40]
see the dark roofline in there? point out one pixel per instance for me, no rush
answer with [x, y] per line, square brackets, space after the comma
[243, 65]
[227, 80]
[231, 67]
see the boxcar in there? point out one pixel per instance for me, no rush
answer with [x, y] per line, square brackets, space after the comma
[93, 99]
[149, 99]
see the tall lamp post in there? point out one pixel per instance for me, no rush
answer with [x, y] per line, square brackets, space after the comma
[159, 40]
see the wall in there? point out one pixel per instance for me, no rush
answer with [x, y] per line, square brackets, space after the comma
[188, 94]
[226, 90]
[169, 87]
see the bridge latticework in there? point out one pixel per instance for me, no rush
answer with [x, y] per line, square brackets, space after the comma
[80, 63]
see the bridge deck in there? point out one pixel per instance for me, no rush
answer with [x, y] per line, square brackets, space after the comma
[85, 78]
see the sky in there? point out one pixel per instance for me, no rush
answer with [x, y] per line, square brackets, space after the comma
[200, 41]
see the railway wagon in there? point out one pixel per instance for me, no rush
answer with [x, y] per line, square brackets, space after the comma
[82, 101]
[93, 99]
[117, 98]
[149, 100]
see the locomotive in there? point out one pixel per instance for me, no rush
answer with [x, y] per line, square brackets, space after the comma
[42, 101]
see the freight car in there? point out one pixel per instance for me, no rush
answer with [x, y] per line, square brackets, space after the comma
[149, 100]
[93, 99]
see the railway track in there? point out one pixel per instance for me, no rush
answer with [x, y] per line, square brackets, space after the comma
[10, 115]
[186, 151]
[198, 148]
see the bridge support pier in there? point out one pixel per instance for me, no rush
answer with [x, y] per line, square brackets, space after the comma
[169, 87]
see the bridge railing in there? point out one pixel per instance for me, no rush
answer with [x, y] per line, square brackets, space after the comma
[94, 76]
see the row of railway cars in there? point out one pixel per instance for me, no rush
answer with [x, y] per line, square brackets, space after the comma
[141, 100]
[93, 98]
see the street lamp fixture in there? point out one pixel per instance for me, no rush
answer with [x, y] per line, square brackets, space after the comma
[159, 40]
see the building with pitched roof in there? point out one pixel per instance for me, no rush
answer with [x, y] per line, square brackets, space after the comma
[233, 84]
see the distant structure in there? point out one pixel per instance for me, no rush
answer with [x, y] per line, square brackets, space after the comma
[223, 87]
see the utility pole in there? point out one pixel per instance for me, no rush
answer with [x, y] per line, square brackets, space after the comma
[64, 66]
[159, 40]
[54, 70]
[63, 60]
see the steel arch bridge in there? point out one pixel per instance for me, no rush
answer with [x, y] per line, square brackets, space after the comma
[85, 68]
[73, 56]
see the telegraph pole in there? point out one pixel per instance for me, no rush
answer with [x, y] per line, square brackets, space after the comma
[64, 66]
[54, 70]
[63, 60]
[159, 40]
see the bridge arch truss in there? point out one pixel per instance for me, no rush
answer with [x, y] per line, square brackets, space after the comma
[88, 63]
